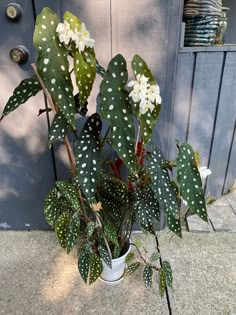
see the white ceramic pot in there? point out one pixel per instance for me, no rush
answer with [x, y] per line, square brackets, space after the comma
[115, 275]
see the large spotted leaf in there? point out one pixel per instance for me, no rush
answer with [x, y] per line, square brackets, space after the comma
[168, 273]
[84, 62]
[190, 182]
[110, 233]
[132, 268]
[147, 276]
[95, 268]
[84, 262]
[52, 63]
[149, 119]
[112, 208]
[26, 89]
[88, 156]
[164, 191]
[105, 255]
[115, 108]
[146, 208]
[53, 206]
[115, 188]
[162, 282]
[70, 193]
[73, 232]
[58, 129]
[61, 228]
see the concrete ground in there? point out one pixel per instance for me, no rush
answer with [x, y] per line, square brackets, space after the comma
[37, 277]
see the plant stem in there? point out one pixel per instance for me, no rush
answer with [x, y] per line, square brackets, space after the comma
[105, 240]
[144, 260]
[137, 139]
[55, 110]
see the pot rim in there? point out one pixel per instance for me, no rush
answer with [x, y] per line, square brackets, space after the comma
[122, 257]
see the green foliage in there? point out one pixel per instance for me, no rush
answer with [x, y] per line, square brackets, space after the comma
[70, 193]
[95, 268]
[114, 107]
[53, 206]
[147, 276]
[73, 232]
[61, 228]
[84, 262]
[162, 282]
[26, 89]
[52, 63]
[146, 208]
[58, 129]
[132, 268]
[88, 157]
[154, 256]
[91, 229]
[149, 119]
[110, 233]
[168, 273]
[161, 185]
[129, 258]
[84, 62]
[190, 182]
[105, 255]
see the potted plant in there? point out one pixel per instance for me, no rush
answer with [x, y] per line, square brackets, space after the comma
[118, 177]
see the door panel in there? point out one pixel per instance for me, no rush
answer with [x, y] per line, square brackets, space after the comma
[25, 162]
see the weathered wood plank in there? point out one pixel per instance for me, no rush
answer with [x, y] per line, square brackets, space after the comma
[183, 93]
[54, 5]
[208, 72]
[224, 129]
[146, 28]
[230, 179]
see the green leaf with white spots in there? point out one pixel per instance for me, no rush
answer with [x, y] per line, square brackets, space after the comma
[91, 229]
[148, 120]
[88, 157]
[147, 276]
[129, 258]
[26, 89]
[168, 273]
[155, 256]
[105, 255]
[146, 207]
[100, 70]
[112, 208]
[164, 191]
[95, 268]
[110, 233]
[84, 263]
[115, 188]
[116, 251]
[52, 63]
[190, 182]
[132, 268]
[162, 282]
[114, 107]
[73, 232]
[61, 228]
[58, 129]
[53, 207]
[70, 193]
[84, 62]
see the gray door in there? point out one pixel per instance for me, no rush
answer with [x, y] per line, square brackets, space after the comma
[26, 169]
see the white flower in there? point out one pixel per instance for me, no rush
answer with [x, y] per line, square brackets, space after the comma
[184, 202]
[64, 32]
[144, 93]
[204, 172]
[82, 39]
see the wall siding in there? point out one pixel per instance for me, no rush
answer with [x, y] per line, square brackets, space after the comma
[205, 112]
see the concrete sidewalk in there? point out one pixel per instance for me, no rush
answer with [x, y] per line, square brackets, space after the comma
[37, 277]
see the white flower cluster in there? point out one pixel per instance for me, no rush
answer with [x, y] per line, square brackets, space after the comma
[204, 172]
[144, 93]
[81, 38]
